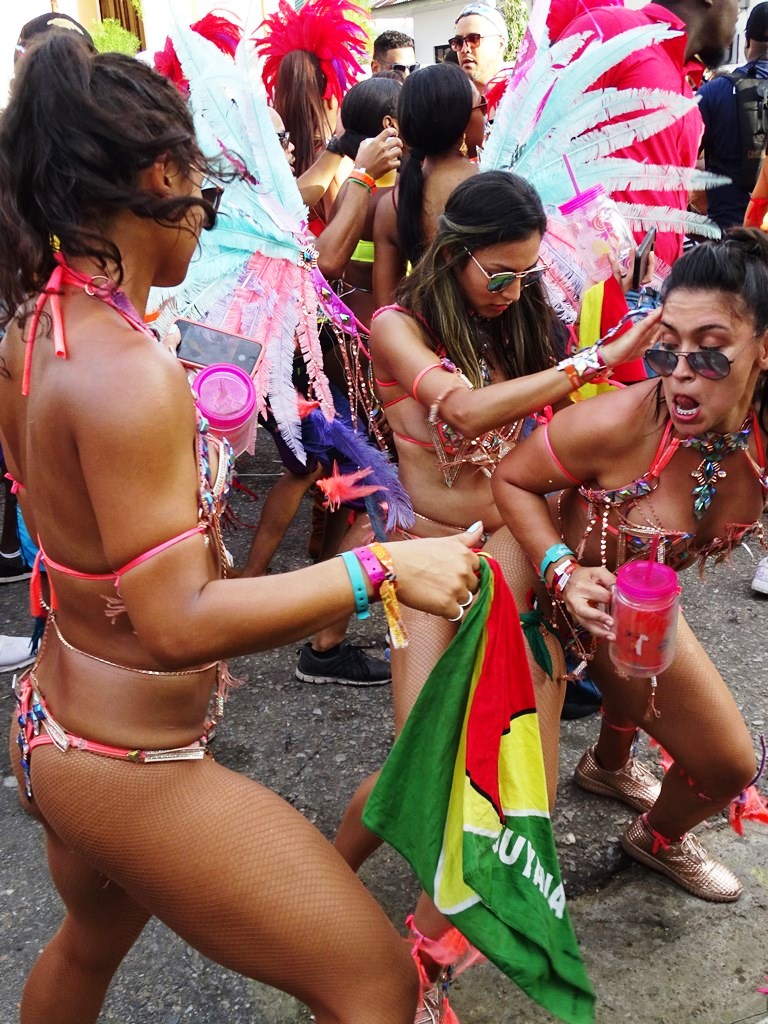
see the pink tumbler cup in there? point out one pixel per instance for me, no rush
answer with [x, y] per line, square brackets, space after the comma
[644, 610]
[598, 228]
[226, 396]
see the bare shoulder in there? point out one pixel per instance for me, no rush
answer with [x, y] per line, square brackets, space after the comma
[595, 432]
[385, 217]
[394, 327]
[131, 385]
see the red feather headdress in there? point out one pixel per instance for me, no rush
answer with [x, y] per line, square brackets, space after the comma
[219, 30]
[321, 27]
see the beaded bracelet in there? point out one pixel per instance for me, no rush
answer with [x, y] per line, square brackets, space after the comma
[397, 632]
[357, 580]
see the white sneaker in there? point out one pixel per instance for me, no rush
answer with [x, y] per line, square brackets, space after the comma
[15, 652]
[760, 579]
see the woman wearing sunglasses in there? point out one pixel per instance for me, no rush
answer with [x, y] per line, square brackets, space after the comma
[458, 365]
[124, 486]
[678, 474]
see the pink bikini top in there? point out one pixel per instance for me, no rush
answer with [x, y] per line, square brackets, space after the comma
[212, 492]
[451, 441]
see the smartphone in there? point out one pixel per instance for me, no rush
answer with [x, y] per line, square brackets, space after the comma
[642, 254]
[202, 345]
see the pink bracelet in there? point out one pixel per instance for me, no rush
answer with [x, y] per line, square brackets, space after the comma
[374, 570]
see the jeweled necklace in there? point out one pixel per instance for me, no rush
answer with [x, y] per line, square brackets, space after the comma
[714, 448]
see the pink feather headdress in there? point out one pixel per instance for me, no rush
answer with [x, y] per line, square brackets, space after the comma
[214, 27]
[323, 28]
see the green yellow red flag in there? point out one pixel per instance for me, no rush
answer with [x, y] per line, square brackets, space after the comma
[463, 797]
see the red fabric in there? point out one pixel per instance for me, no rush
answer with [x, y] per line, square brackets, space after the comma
[501, 694]
[614, 308]
[661, 66]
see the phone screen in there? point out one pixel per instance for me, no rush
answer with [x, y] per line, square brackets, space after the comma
[203, 346]
[642, 256]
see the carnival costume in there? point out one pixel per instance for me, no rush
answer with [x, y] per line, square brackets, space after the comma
[256, 275]
[627, 527]
[549, 109]
[37, 727]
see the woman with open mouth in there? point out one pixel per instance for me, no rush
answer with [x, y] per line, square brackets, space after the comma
[671, 469]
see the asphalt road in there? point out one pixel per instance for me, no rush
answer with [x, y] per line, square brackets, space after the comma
[655, 955]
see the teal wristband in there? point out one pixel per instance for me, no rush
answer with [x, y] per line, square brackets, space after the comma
[553, 554]
[357, 580]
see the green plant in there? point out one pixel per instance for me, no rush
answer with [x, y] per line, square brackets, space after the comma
[109, 36]
[515, 14]
[138, 6]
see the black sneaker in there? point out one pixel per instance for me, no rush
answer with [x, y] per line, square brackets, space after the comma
[14, 569]
[349, 665]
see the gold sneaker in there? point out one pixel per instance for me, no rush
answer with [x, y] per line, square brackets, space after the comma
[633, 784]
[685, 862]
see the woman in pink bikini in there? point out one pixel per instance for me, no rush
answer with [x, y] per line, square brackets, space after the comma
[103, 193]
[679, 475]
[459, 364]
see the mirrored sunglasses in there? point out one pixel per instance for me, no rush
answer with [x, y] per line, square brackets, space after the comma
[284, 137]
[498, 282]
[709, 363]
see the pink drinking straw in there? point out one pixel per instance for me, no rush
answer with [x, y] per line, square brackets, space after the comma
[571, 175]
[652, 556]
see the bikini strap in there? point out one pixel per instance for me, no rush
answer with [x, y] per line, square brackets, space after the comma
[35, 589]
[63, 274]
[414, 316]
[158, 549]
[16, 485]
[553, 456]
[664, 452]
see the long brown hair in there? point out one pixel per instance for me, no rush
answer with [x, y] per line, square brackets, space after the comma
[299, 90]
[487, 209]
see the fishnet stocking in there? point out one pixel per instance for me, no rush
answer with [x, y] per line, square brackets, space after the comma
[549, 693]
[226, 864]
[411, 667]
[699, 724]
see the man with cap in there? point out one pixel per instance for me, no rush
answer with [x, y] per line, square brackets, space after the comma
[480, 39]
[723, 145]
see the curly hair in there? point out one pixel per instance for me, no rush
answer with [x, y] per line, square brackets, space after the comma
[78, 130]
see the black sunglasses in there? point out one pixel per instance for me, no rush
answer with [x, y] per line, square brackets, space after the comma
[212, 194]
[284, 137]
[471, 39]
[707, 362]
[401, 68]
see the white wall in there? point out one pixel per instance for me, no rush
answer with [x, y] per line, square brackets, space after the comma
[433, 26]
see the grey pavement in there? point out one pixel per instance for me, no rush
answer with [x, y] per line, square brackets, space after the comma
[655, 954]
